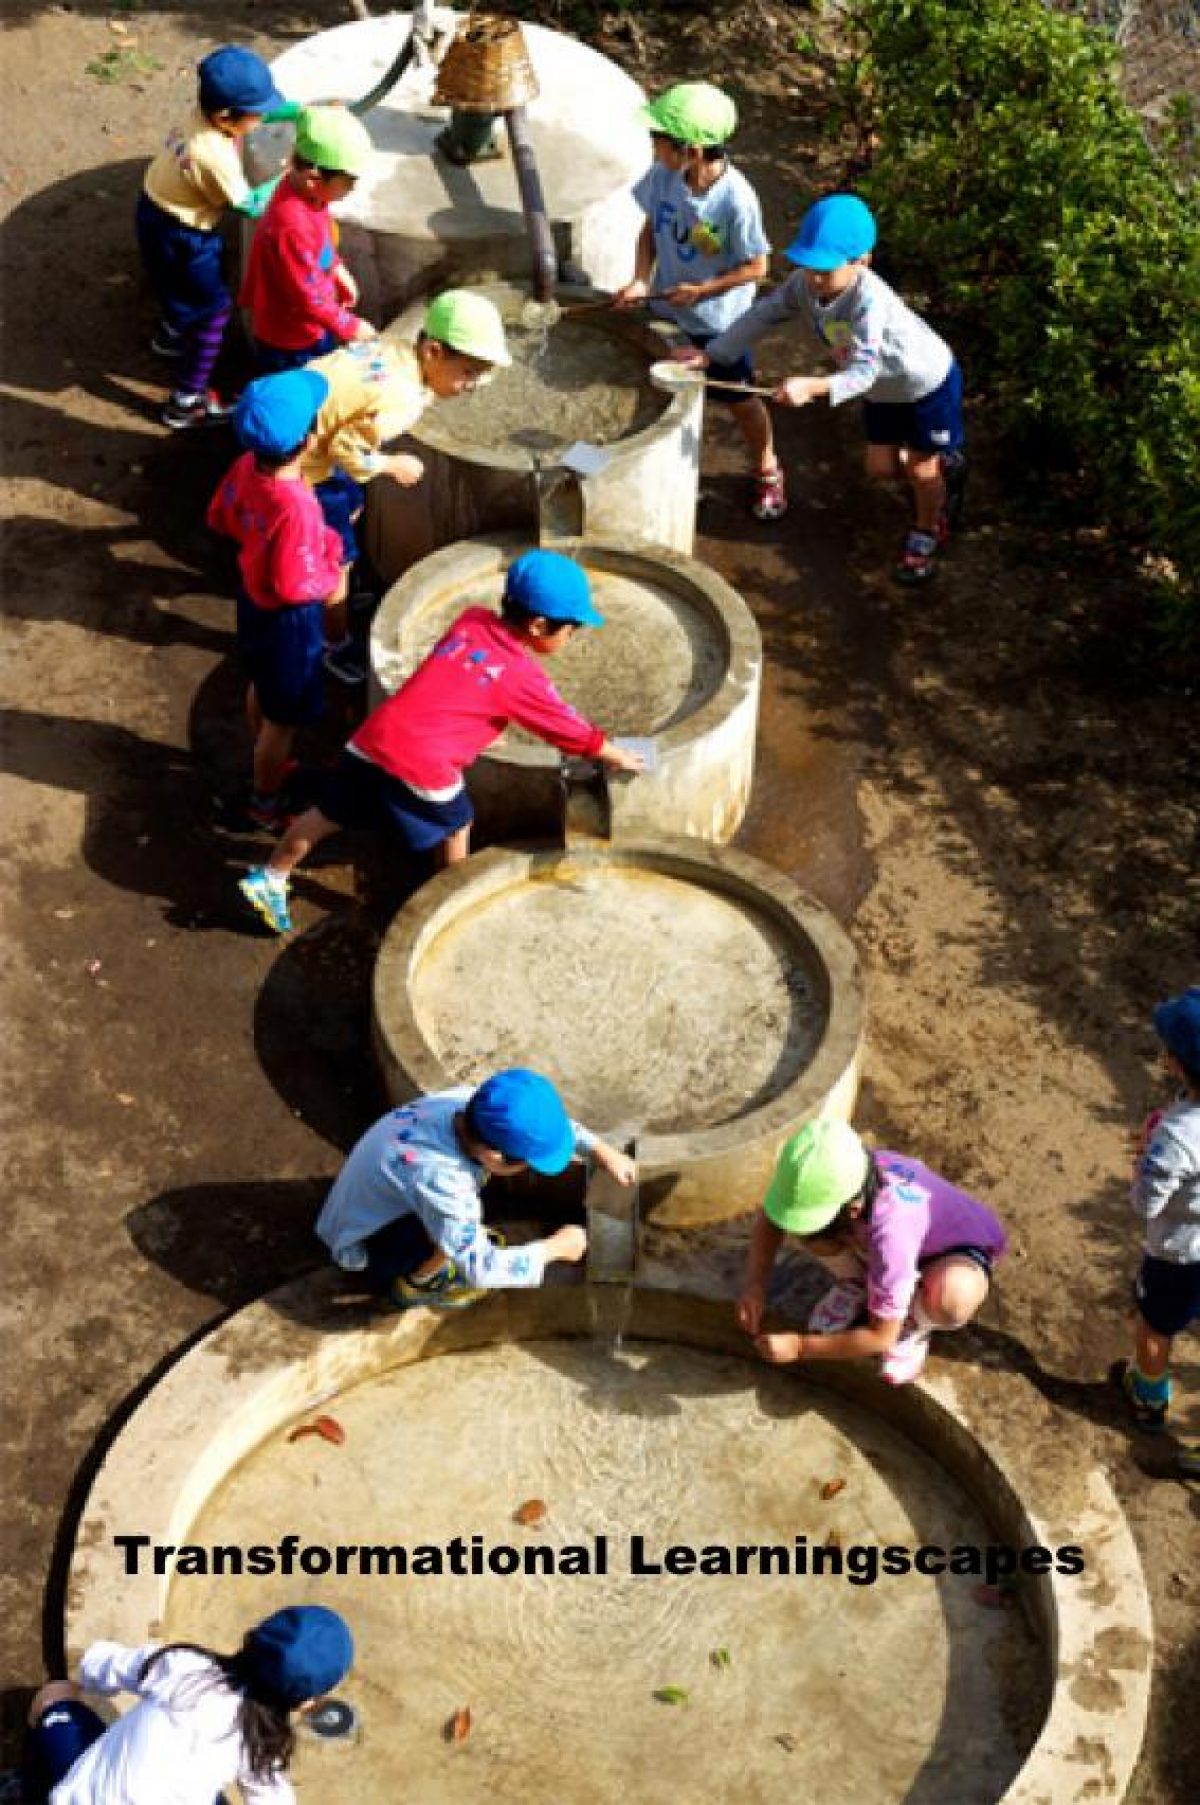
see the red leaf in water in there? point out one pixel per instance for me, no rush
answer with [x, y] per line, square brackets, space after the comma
[327, 1427]
[458, 1727]
[531, 1513]
[832, 1487]
[990, 1597]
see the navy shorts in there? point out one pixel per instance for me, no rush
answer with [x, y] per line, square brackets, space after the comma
[741, 370]
[1167, 1295]
[362, 794]
[934, 423]
[183, 264]
[281, 651]
[272, 359]
[341, 498]
[54, 1744]
[396, 1251]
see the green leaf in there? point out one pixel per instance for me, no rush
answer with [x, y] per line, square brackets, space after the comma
[671, 1695]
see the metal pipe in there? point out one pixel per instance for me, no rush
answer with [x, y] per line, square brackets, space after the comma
[533, 205]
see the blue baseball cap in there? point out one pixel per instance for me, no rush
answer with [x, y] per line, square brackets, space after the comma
[1177, 1024]
[840, 229]
[234, 77]
[520, 1114]
[555, 587]
[297, 1654]
[275, 414]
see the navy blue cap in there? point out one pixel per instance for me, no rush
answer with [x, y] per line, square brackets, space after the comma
[275, 414]
[297, 1654]
[520, 1114]
[1177, 1024]
[235, 77]
[555, 587]
[840, 229]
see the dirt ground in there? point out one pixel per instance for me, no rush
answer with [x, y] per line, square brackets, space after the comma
[988, 782]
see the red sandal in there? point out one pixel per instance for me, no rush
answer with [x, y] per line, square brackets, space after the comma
[770, 495]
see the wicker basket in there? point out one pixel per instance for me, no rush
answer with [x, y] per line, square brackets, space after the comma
[487, 68]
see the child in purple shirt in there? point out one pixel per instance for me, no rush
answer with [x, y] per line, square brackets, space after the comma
[910, 1251]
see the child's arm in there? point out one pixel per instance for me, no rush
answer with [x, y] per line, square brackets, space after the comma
[300, 269]
[618, 1164]
[643, 263]
[686, 294]
[765, 1242]
[111, 1667]
[875, 1337]
[1161, 1169]
[306, 561]
[784, 303]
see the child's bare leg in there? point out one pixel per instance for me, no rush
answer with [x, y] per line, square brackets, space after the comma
[453, 850]
[1152, 1351]
[254, 713]
[884, 463]
[951, 1292]
[306, 831]
[54, 1692]
[754, 424]
[924, 472]
[272, 749]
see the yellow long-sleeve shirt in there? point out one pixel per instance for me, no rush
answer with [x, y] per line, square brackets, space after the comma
[197, 174]
[375, 394]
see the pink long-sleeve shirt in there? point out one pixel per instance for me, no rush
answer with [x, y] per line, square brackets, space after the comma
[288, 286]
[917, 1215]
[478, 678]
[286, 553]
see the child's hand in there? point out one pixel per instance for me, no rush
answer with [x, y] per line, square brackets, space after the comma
[345, 284]
[405, 469]
[619, 1164]
[568, 1243]
[342, 590]
[631, 294]
[780, 1350]
[683, 294]
[798, 391]
[618, 759]
[750, 1307]
[690, 357]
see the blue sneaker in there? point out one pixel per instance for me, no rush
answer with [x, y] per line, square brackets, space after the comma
[443, 1290]
[268, 897]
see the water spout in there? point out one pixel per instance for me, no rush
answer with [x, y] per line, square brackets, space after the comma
[613, 1226]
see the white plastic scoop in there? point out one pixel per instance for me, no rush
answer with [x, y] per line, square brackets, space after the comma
[667, 374]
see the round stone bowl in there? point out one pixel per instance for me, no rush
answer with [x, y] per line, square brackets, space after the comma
[494, 459]
[680, 994]
[678, 660]
[564, 1418]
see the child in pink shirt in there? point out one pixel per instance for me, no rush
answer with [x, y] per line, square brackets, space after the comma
[403, 769]
[912, 1252]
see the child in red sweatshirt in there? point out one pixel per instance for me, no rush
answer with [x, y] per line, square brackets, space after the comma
[403, 768]
[291, 571]
[299, 294]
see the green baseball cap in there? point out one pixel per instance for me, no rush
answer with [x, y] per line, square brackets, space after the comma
[469, 323]
[819, 1170]
[694, 112]
[332, 138]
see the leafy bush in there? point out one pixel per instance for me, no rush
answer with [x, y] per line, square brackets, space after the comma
[1017, 189]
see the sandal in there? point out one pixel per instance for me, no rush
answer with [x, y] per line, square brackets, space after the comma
[770, 495]
[918, 561]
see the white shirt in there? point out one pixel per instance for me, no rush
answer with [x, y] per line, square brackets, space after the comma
[178, 1746]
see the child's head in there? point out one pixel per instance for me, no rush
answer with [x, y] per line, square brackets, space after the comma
[461, 342]
[515, 1119]
[236, 89]
[690, 123]
[834, 241]
[1177, 1024]
[274, 416]
[824, 1179]
[296, 1655]
[546, 598]
[332, 150]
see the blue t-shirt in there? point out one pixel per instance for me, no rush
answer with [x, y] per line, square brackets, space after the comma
[698, 236]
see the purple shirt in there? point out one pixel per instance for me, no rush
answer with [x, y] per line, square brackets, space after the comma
[916, 1216]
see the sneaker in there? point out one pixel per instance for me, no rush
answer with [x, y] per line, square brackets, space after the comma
[901, 1364]
[346, 663]
[918, 561]
[268, 897]
[954, 475]
[195, 410]
[770, 495]
[1148, 1406]
[840, 1308]
[443, 1291]
[166, 342]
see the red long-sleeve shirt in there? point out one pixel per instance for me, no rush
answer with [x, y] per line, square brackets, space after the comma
[288, 286]
[286, 553]
[478, 678]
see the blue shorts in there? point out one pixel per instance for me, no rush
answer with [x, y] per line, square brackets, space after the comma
[271, 359]
[396, 1251]
[934, 423]
[1167, 1295]
[362, 794]
[183, 264]
[54, 1744]
[741, 370]
[341, 498]
[281, 650]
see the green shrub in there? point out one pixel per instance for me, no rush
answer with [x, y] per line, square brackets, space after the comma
[1017, 190]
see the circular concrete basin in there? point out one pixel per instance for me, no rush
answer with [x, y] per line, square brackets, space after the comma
[415, 221]
[493, 459]
[597, 1663]
[679, 660]
[680, 994]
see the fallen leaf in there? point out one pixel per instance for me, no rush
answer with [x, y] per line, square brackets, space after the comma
[531, 1513]
[833, 1539]
[720, 1657]
[990, 1597]
[64, 914]
[327, 1427]
[458, 1727]
[124, 1098]
[671, 1695]
[787, 1741]
[831, 1488]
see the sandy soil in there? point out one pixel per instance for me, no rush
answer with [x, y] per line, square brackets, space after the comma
[987, 783]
